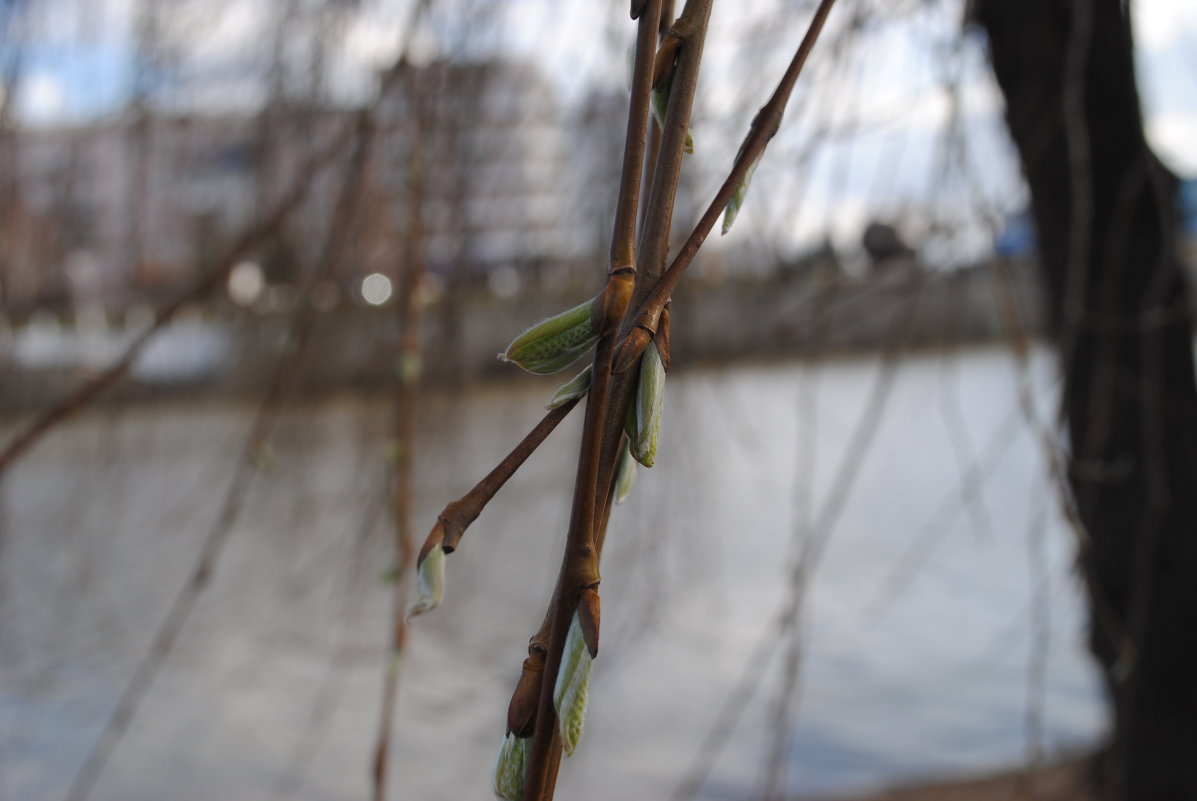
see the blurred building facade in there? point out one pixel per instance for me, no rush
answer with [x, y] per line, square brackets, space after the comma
[137, 207]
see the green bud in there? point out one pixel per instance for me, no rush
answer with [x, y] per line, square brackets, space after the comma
[660, 98]
[737, 199]
[625, 474]
[431, 572]
[576, 388]
[573, 686]
[511, 767]
[650, 398]
[557, 342]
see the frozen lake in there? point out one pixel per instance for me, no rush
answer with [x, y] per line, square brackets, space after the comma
[930, 627]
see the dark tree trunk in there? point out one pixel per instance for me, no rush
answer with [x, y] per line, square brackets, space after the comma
[1105, 212]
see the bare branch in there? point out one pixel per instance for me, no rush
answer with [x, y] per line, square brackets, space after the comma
[639, 328]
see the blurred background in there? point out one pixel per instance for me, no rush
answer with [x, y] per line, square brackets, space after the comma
[849, 568]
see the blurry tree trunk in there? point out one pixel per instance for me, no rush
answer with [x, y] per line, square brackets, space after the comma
[1105, 212]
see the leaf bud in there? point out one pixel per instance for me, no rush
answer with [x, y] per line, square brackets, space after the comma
[557, 342]
[650, 400]
[578, 386]
[431, 582]
[510, 768]
[572, 687]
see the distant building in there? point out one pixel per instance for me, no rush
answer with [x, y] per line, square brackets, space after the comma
[494, 189]
[148, 203]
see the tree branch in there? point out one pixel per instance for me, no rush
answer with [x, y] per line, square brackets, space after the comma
[639, 328]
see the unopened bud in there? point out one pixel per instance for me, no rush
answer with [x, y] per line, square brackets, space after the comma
[650, 399]
[510, 768]
[589, 616]
[661, 105]
[625, 475]
[521, 712]
[662, 337]
[576, 388]
[737, 200]
[557, 342]
[573, 686]
[431, 582]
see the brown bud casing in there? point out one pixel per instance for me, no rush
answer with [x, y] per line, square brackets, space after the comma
[589, 614]
[631, 348]
[521, 712]
[662, 337]
[436, 539]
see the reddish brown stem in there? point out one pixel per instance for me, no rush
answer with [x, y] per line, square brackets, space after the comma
[761, 131]
[457, 516]
[609, 394]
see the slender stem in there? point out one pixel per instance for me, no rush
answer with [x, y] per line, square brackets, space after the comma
[761, 131]
[458, 515]
[286, 372]
[690, 32]
[623, 238]
[579, 567]
[407, 395]
[610, 394]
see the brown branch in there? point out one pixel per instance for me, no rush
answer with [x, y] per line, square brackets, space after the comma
[414, 259]
[690, 33]
[639, 328]
[579, 566]
[623, 237]
[610, 394]
[457, 516]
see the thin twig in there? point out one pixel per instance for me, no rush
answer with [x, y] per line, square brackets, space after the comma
[407, 395]
[329, 691]
[954, 502]
[457, 516]
[286, 372]
[642, 325]
[579, 567]
[184, 602]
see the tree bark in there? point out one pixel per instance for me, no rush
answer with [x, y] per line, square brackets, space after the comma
[1104, 208]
